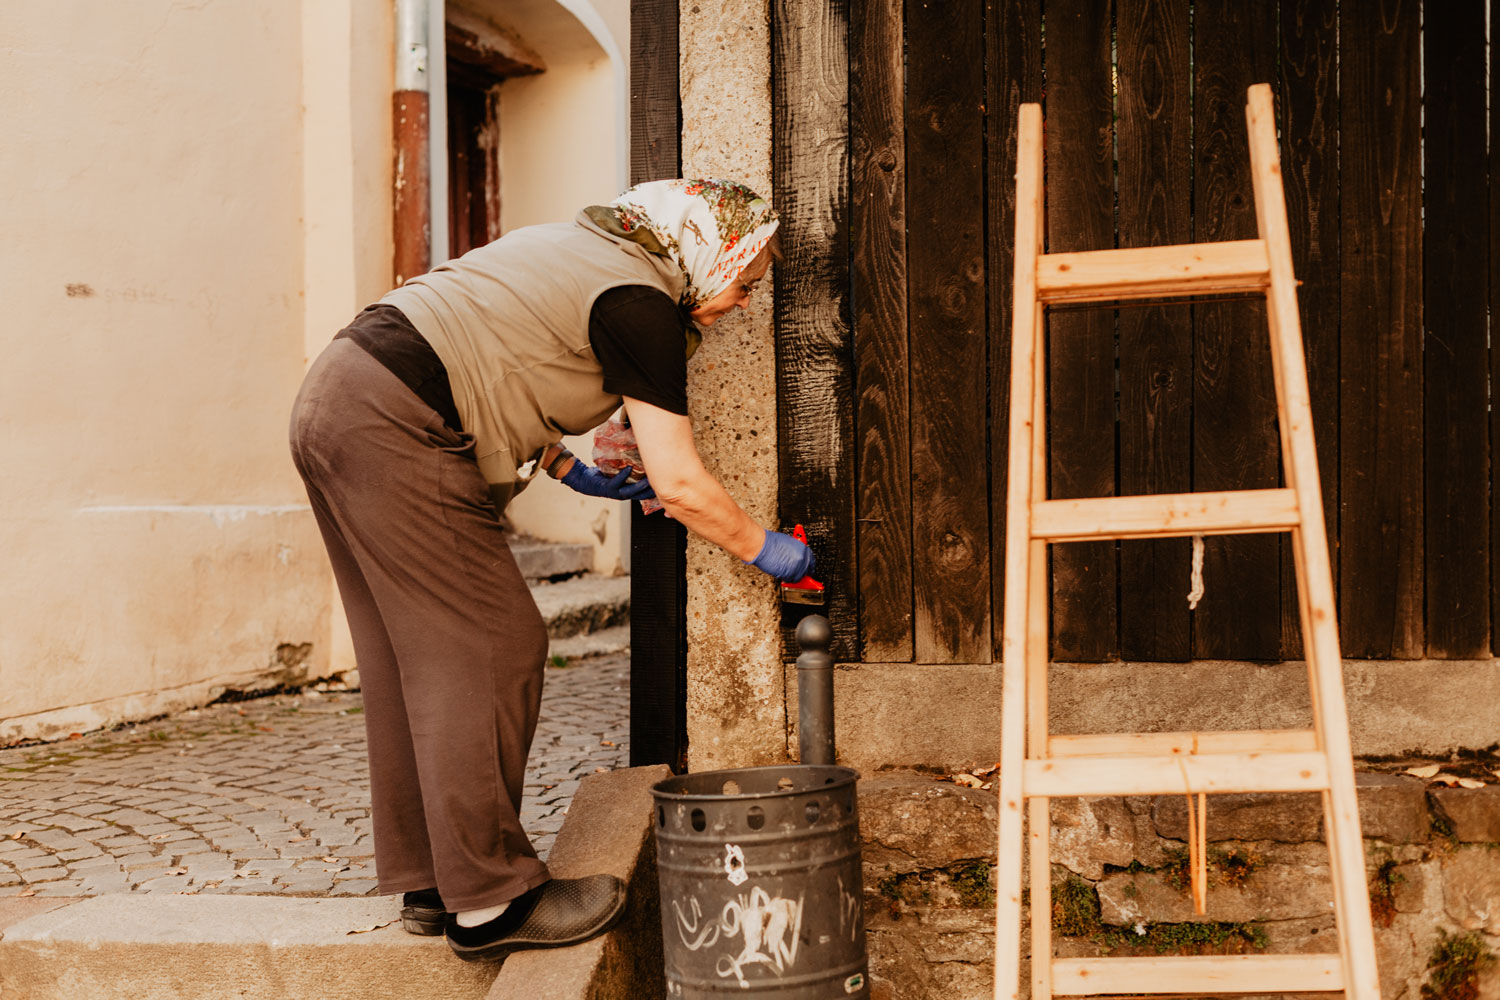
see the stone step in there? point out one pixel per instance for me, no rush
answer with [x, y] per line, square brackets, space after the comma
[171, 947]
[541, 560]
[583, 604]
[179, 947]
[615, 639]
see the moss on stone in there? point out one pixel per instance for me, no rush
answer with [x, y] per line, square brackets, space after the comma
[1213, 937]
[1383, 893]
[973, 884]
[1075, 908]
[1454, 966]
[1234, 866]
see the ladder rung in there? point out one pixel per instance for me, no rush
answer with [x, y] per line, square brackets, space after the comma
[1171, 744]
[1066, 777]
[1164, 515]
[1189, 269]
[1198, 974]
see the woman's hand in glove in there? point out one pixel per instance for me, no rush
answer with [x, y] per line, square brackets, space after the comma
[590, 481]
[784, 558]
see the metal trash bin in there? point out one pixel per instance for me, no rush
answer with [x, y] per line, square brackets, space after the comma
[761, 891]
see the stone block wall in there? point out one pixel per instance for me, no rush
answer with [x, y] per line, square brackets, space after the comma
[1120, 883]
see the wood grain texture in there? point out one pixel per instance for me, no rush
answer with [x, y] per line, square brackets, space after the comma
[1494, 368]
[814, 344]
[655, 112]
[1455, 397]
[1380, 344]
[877, 168]
[1308, 111]
[1156, 352]
[1081, 367]
[1235, 439]
[1013, 76]
[946, 296]
[658, 546]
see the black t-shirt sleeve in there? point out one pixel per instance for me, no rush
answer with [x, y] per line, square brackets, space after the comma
[639, 336]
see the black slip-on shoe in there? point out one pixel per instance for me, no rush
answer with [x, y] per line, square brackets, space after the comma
[422, 912]
[558, 912]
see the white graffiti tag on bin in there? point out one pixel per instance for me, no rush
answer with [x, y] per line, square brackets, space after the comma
[689, 925]
[734, 864]
[772, 930]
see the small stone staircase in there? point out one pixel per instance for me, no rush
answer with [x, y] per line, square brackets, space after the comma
[587, 613]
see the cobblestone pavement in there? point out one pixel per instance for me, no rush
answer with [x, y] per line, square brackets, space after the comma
[262, 796]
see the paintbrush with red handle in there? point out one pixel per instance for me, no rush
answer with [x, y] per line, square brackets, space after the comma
[806, 590]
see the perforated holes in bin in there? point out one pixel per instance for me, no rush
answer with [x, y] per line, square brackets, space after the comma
[812, 812]
[755, 817]
[731, 787]
[699, 821]
[661, 816]
[784, 783]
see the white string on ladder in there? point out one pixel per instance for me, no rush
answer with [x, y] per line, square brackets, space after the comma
[1196, 594]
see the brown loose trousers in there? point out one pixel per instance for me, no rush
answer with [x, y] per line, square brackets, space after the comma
[450, 645]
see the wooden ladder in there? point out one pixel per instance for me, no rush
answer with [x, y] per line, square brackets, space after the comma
[1035, 765]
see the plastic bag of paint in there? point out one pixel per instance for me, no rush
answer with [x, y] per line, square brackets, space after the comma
[615, 449]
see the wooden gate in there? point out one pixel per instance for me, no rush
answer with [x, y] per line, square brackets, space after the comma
[895, 181]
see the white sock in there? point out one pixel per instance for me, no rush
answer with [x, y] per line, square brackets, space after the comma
[473, 918]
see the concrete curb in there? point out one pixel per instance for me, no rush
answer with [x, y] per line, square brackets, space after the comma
[541, 560]
[615, 639]
[583, 604]
[171, 947]
[608, 830]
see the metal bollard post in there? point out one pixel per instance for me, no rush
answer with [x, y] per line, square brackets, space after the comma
[815, 690]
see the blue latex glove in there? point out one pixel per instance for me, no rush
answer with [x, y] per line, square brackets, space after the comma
[784, 558]
[591, 482]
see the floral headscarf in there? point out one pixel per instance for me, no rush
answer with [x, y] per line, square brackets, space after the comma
[710, 228]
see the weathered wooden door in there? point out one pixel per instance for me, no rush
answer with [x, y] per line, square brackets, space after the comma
[894, 133]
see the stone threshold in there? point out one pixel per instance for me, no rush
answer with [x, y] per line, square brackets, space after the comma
[182, 947]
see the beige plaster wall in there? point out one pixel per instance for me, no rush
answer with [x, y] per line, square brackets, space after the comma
[158, 543]
[561, 134]
[736, 696]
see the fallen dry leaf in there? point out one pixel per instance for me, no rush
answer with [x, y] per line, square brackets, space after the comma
[1426, 771]
[296, 840]
[246, 873]
[967, 780]
[986, 771]
[333, 860]
[1470, 783]
[606, 743]
[75, 736]
[26, 892]
[175, 871]
[18, 835]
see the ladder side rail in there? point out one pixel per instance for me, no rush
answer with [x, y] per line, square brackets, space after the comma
[1024, 320]
[1038, 652]
[1346, 848]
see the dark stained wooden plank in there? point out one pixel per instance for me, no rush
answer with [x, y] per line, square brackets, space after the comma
[946, 296]
[1081, 374]
[1456, 356]
[658, 546]
[1235, 440]
[1156, 342]
[1308, 112]
[1013, 76]
[655, 111]
[1494, 368]
[1380, 357]
[814, 344]
[877, 168]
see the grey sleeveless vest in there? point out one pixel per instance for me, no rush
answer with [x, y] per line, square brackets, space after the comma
[510, 322]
